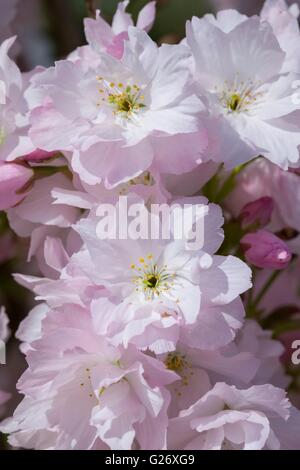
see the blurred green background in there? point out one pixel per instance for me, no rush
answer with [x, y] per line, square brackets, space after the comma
[60, 22]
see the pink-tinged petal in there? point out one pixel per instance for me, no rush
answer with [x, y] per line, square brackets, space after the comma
[14, 183]
[180, 153]
[116, 48]
[287, 431]
[188, 300]
[226, 20]
[72, 198]
[121, 20]
[244, 419]
[55, 254]
[98, 33]
[51, 130]
[37, 234]
[225, 280]
[11, 72]
[17, 144]
[180, 118]
[279, 145]
[282, 18]
[188, 184]
[210, 332]
[146, 16]
[38, 155]
[171, 78]
[259, 37]
[237, 367]
[33, 208]
[30, 329]
[141, 54]
[112, 163]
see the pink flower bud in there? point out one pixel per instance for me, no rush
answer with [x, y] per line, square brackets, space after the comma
[257, 212]
[13, 180]
[265, 250]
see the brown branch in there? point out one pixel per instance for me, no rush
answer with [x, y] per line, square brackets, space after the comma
[91, 8]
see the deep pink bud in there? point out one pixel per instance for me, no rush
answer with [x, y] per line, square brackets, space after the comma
[265, 250]
[13, 181]
[257, 212]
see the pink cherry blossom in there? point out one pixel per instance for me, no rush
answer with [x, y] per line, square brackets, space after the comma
[282, 18]
[109, 142]
[199, 285]
[151, 326]
[103, 37]
[229, 418]
[119, 395]
[284, 21]
[211, 311]
[198, 369]
[145, 180]
[249, 99]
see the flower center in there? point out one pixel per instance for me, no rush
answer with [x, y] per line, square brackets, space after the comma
[176, 361]
[234, 102]
[180, 364]
[150, 279]
[239, 96]
[126, 100]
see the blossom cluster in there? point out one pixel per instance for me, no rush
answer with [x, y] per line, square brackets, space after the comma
[142, 343]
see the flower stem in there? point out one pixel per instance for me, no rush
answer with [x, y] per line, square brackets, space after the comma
[229, 183]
